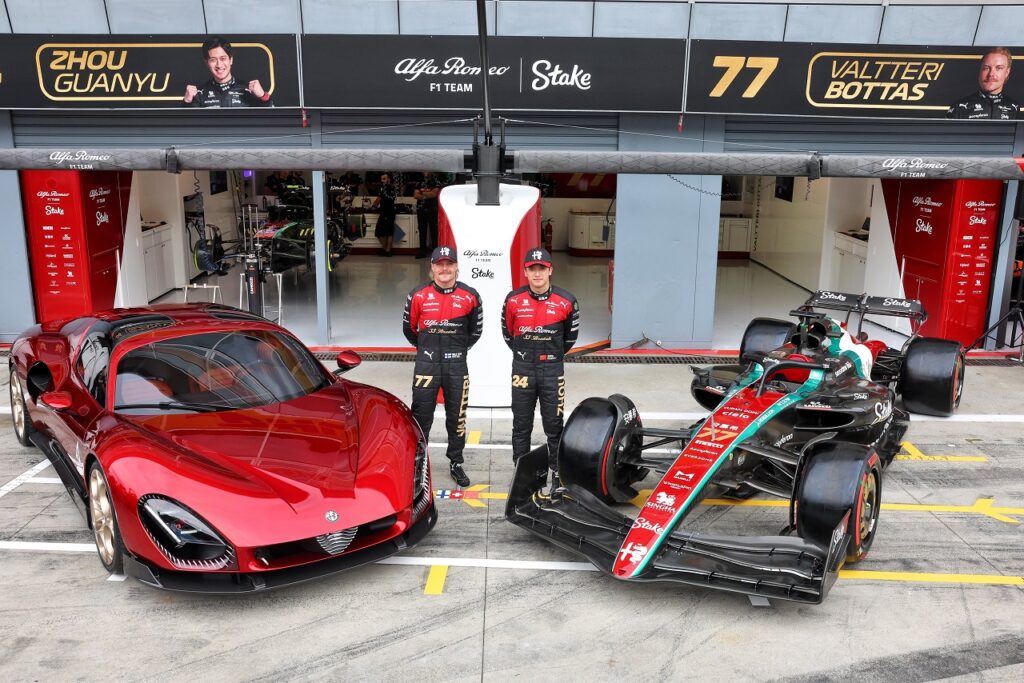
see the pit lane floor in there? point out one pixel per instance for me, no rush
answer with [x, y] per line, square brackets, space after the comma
[941, 596]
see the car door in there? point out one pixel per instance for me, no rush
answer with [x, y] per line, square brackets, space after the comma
[87, 385]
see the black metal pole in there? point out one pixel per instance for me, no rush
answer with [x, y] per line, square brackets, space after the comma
[487, 171]
[481, 27]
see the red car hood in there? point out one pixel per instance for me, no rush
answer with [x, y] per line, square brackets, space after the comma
[311, 442]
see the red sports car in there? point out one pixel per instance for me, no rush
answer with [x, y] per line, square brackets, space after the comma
[210, 450]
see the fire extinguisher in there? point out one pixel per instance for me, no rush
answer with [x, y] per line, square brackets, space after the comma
[546, 233]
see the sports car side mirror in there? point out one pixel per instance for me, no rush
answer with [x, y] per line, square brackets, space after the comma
[56, 400]
[346, 361]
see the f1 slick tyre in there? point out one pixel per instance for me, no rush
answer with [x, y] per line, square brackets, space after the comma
[105, 529]
[598, 441]
[932, 379]
[839, 478]
[23, 428]
[764, 335]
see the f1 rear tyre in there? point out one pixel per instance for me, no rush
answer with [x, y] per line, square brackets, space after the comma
[597, 443]
[839, 478]
[764, 335]
[932, 378]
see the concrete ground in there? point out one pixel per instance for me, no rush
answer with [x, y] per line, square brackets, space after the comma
[941, 596]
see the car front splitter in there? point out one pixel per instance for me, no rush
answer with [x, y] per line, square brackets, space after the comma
[249, 582]
[783, 567]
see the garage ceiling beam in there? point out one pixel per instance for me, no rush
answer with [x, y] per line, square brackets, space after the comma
[526, 161]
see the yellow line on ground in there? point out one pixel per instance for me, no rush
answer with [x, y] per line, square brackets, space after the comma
[943, 458]
[922, 577]
[982, 506]
[913, 453]
[435, 579]
[473, 439]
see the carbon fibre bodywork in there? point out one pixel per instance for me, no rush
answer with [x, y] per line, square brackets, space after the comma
[813, 417]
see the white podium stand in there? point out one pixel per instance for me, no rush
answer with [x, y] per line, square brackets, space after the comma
[491, 241]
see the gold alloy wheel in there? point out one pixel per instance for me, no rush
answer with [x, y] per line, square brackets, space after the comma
[868, 503]
[102, 514]
[18, 406]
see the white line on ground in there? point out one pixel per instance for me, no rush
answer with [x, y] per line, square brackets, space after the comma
[489, 563]
[21, 479]
[5, 410]
[49, 546]
[116, 577]
[506, 414]
[43, 480]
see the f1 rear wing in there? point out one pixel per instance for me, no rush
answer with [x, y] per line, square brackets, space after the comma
[863, 303]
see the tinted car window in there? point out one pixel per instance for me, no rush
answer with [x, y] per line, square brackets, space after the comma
[93, 363]
[215, 371]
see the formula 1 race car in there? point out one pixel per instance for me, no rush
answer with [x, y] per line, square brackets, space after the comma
[287, 240]
[210, 451]
[809, 415]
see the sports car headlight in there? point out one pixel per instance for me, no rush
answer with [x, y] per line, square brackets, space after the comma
[184, 538]
[420, 479]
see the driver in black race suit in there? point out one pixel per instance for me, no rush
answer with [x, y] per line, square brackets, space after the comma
[443, 319]
[990, 101]
[540, 323]
[222, 90]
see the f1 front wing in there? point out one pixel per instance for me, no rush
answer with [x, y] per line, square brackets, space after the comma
[784, 567]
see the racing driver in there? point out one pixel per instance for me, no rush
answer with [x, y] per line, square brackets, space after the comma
[443, 319]
[540, 323]
[222, 90]
[990, 101]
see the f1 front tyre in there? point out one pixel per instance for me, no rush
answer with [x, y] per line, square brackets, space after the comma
[598, 441]
[839, 478]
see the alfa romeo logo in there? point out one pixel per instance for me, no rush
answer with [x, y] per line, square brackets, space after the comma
[331, 516]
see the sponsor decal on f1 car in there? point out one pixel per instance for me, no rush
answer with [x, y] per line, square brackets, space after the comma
[666, 506]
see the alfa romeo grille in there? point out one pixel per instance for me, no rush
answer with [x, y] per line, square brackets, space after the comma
[336, 542]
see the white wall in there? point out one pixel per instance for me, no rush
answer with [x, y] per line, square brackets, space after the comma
[882, 272]
[131, 285]
[558, 210]
[847, 207]
[160, 200]
[789, 235]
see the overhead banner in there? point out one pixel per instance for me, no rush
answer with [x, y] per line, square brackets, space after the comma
[840, 79]
[147, 72]
[526, 73]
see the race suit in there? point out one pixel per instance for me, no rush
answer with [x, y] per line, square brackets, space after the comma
[442, 324]
[230, 94]
[539, 328]
[984, 106]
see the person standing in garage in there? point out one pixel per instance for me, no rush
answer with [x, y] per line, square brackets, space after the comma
[426, 194]
[540, 324]
[443, 319]
[385, 205]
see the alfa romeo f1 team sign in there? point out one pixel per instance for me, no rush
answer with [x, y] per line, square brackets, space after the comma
[125, 71]
[444, 72]
[811, 79]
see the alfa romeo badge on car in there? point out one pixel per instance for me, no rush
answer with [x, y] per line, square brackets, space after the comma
[331, 516]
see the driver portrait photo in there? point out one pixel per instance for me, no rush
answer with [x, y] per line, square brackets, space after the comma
[223, 90]
[990, 100]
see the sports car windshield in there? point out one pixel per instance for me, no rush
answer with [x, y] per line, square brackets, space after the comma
[215, 371]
